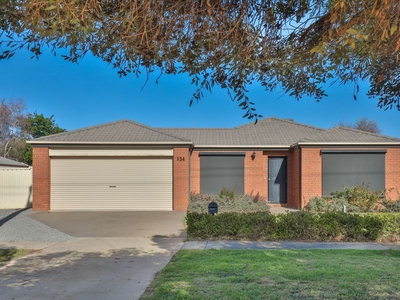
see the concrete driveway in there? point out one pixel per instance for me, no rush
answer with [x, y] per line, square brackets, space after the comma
[113, 255]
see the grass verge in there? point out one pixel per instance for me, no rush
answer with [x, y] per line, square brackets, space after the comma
[9, 254]
[279, 274]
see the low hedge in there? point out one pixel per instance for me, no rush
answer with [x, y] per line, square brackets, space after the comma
[295, 226]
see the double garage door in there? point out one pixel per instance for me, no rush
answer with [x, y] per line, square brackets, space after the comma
[111, 183]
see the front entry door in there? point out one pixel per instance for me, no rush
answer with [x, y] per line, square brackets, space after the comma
[277, 180]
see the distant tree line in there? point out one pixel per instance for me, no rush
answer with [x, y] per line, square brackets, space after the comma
[17, 126]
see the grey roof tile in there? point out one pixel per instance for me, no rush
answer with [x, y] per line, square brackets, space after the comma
[269, 132]
[119, 132]
[347, 135]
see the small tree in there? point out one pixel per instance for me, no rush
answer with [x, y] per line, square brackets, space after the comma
[40, 126]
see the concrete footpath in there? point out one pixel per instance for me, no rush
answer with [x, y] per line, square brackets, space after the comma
[109, 244]
[242, 245]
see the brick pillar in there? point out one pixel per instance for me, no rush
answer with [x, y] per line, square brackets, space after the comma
[41, 179]
[392, 176]
[311, 174]
[255, 178]
[181, 180]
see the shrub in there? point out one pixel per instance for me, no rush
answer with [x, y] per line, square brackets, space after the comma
[238, 203]
[253, 226]
[226, 193]
[361, 196]
[356, 199]
[391, 206]
[306, 226]
[325, 204]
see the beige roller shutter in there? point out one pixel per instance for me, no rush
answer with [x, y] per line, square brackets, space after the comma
[111, 183]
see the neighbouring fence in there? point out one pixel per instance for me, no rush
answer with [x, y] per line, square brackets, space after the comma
[15, 188]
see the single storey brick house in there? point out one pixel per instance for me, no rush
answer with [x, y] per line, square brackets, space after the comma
[125, 165]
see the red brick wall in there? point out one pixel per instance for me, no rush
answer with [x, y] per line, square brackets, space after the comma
[392, 168]
[195, 172]
[41, 179]
[311, 174]
[255, 178]
[181, 178]
[311, 168]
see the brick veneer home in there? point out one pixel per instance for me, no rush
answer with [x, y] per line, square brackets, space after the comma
[129, 166]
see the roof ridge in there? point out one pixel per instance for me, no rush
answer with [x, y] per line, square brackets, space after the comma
[291, 121]
[114, 123]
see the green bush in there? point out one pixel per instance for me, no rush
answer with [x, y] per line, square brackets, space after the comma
[253, 226]
[361, 196]
[391, 206]
[226, 193]
[227, 203]
[295, 226]
[325, 204]
[356, 199]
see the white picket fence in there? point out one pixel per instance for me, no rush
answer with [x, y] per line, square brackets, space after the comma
[15, 188]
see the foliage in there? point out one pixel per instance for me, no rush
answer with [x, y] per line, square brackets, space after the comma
[361, 196]
[278, 274]
[40, 126]
[227, 202]
[363, 124]
[296, 45]
[303, 225]
[324, 204]
[16, 127]
[391, 206]
[9, 254]
[43, 126]
[356, 199]
[226, 193]
[230, 225]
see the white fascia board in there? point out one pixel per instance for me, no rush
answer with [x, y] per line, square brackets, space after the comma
[109, 152]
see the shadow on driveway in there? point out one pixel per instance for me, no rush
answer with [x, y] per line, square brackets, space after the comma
[119, 274]
[12, 215]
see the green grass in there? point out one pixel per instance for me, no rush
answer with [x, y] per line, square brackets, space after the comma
[279, 274]
[9, 254]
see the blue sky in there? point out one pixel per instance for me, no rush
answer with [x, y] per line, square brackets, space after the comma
[91, 93]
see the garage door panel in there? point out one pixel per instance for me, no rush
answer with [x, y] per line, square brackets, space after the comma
[111, 184]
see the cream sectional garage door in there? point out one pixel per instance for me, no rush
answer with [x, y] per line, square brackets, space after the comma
[111, 183]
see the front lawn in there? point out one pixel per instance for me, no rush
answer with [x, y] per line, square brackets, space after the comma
[9, 254]
[279, 274]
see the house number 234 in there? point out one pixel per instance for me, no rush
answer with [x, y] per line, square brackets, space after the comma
[180, 158]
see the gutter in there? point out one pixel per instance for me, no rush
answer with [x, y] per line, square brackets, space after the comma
[88, 143]
[380, 144]
[260, 147]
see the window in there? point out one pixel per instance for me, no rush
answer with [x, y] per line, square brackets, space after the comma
[349, 168]
[221, 170]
